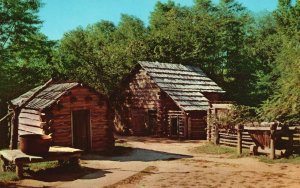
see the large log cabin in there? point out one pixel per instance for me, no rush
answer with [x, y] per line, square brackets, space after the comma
[76, 115]
[166, 100]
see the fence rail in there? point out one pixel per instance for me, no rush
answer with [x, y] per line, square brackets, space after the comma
[287, 138]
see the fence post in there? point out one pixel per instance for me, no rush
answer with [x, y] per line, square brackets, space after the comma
[239, 129]
[208, 132]
[273, 128]
[216, 136]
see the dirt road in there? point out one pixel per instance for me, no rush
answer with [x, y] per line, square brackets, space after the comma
[167, 163]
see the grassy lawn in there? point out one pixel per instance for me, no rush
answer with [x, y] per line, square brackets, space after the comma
[6, 177]
[44, 170]
[292, 160]
[210, 148]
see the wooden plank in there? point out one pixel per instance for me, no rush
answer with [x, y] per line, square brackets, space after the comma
[31, 122]
[29, 111]
[30, 116]
[27, 128]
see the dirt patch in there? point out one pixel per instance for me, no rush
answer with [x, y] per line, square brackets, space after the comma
[164, 163]
[134, 179]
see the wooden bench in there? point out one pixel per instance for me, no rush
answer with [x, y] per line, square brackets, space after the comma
[18, 158]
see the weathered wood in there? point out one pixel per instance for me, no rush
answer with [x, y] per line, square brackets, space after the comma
[216, 135]
[31, 122]
[57, 121]
[19, 169]
[253, 150]
[32, 129]
[55, 153]
[6, 116]
[273, 128]
[17, 110]
[239, 138]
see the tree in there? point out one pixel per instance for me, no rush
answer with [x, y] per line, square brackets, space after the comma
[18, 21]
[284, 104]
[102, 53]
[25, 54]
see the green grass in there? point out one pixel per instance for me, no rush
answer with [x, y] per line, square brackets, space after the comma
[210, 148]
[231, 152]
[43, 165]
[7, 176]
[291, 160]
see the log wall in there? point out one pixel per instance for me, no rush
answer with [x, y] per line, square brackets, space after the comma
[168, 109]
[141, 95]
[82, 98]
[197, 121]
[30, 122]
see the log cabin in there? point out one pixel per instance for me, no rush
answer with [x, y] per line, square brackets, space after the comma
[166, 99]
[74, 114]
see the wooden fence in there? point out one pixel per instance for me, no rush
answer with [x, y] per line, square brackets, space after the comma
[254, 137]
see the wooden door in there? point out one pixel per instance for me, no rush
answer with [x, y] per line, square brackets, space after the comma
[151, 126]
[174, 126]
[81, 129]
[138, 122]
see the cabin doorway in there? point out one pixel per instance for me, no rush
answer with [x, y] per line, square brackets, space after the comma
[174, 125]
[138, 122]
[81, 129]
[151, 127]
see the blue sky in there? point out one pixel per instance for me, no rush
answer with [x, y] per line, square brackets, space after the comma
[61, 16]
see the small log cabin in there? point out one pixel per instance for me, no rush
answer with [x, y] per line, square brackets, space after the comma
[166, 100]
[76, 115]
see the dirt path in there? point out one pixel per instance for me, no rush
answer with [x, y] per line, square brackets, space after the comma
[167, 163]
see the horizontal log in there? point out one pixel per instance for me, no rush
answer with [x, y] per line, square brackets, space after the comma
[30, 116]
[31, 122]
[234, 145]
[29, 111]
[31, 129]
[22, 132]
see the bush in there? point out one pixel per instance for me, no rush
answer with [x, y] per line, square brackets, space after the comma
[238, 114]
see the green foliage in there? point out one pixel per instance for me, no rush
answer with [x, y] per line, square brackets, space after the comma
[254, 58]
[284, 104]
[18, 21]
[25, 54]
[238, 114]
[103, 53]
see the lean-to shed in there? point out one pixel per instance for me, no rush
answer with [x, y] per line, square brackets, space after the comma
[166, 99]
[75, 114]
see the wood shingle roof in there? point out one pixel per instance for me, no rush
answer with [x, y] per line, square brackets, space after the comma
[46, 97]
[184, 84]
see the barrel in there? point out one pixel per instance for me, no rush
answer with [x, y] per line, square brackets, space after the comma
[35, 144]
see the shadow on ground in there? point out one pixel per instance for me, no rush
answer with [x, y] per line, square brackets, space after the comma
[137, 154]
[152, 139]
[63, 173]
